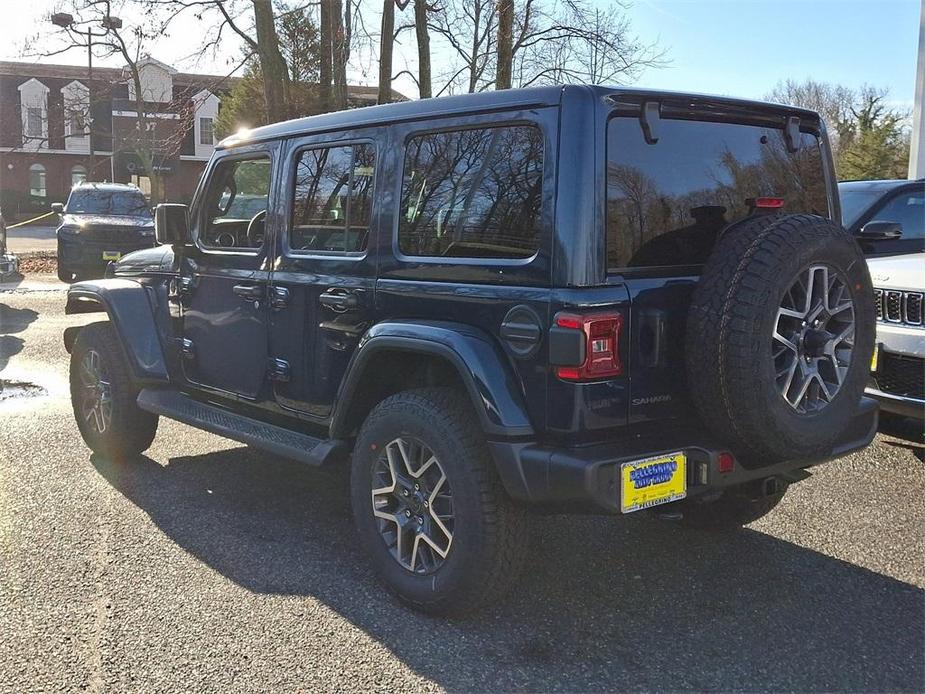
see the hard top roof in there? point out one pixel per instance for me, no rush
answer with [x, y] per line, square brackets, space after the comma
[463, 104]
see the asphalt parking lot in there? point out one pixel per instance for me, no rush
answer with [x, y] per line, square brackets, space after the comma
[207, 566]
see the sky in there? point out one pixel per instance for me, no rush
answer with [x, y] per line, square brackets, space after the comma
[732, 47]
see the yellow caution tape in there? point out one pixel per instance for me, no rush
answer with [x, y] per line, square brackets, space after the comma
[34, 219]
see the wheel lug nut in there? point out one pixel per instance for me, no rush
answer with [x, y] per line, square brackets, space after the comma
[404, 492]
[407, 513]
[417, 487]
[420, 520]
[426, 505]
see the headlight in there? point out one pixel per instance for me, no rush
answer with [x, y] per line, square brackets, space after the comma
[69, 229]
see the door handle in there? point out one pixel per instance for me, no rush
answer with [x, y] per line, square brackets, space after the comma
[339, 301]
[249, 292]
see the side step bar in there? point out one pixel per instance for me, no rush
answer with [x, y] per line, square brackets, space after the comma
[268, 437]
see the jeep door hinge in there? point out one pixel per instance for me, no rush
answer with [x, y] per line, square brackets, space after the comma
[278, 370]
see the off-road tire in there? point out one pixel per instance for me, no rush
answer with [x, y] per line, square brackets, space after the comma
[490, 534]
[736, 507]
[130, 430]
[730, 371]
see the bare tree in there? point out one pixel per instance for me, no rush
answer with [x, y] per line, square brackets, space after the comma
[505, 67]
[272, 66]
[422, 34]
[386, 46]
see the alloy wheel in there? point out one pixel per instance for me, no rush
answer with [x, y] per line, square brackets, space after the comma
[96, 393]
[813, 338]
[413, 505]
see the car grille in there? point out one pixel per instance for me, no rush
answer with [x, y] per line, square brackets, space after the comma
[900, 375]
[894, 306]
[124, 234]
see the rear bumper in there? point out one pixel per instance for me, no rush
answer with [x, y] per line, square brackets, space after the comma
[589, 478]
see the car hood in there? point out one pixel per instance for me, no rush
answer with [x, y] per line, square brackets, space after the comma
[898, 271]
[99, 220]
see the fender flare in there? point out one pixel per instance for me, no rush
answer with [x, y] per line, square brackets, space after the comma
[481, 365]
[131, 314]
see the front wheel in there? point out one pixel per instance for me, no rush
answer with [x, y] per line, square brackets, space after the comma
[103, 396]
[429, 507]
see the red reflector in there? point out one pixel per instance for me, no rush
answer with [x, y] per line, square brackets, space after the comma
[767, 203]
[601, 358]
[725, 462]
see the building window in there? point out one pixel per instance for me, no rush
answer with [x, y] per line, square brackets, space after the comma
[33, 122]
[78, 175]
[205, 132]
[37, 181]
[78, 124]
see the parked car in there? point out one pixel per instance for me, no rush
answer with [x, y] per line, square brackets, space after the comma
[898, 367]
[573, 298]
[100, 223]
[9, 264]
[888, 217]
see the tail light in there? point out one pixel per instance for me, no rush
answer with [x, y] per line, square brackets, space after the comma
[765, 203]
[595, 354]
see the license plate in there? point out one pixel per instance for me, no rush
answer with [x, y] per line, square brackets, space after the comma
[653, 481]
[111, 255]
[875, 359]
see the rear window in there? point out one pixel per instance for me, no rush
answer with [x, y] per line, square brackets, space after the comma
[667, 202]
[472, 193]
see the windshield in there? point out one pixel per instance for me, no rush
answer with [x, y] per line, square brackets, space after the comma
[113, 202]
[854, 203]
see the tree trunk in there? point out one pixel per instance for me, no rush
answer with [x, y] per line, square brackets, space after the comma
[423, 38]
[272, 65]
[326, 49]
[386, 44]
[505, 44]
[339, 55]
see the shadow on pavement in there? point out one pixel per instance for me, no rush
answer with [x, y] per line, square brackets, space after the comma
[605, 603]
[13, 320]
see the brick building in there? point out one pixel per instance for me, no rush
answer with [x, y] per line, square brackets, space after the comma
[59, 127]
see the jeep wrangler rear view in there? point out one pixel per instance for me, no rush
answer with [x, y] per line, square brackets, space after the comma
[569, 298]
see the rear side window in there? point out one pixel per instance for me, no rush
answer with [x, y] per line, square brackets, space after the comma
[472, 193]
[333, 197]
[667, 202]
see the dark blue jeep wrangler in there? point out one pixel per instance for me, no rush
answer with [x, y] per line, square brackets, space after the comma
[573, 298]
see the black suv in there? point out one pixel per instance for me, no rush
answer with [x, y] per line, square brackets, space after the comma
[100, 223]
[572, 298]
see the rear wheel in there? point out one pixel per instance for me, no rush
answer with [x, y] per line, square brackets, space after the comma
[429, 507]
[103, 396]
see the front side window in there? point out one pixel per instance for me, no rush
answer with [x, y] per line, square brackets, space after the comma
[473, 193]
[909, 210]
[206, 136]
[667, 202]
[34, 122]
[37, 181]
[235, 205]
[333, 198]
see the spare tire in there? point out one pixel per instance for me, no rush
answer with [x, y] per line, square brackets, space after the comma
[780, 335]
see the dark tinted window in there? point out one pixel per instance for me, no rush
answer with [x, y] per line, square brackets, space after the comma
[854, 203]
[909, 210]
[333, 197]
[121, 202]
[472, 193]
[667, 202]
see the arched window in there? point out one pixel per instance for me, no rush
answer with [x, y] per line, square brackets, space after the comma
[37, 181]
[78, 175]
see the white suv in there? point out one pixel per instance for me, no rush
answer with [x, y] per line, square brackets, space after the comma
[898, 367]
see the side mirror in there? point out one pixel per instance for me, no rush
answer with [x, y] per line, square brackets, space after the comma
[881, 231]
[57, 207]
[171, 224]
